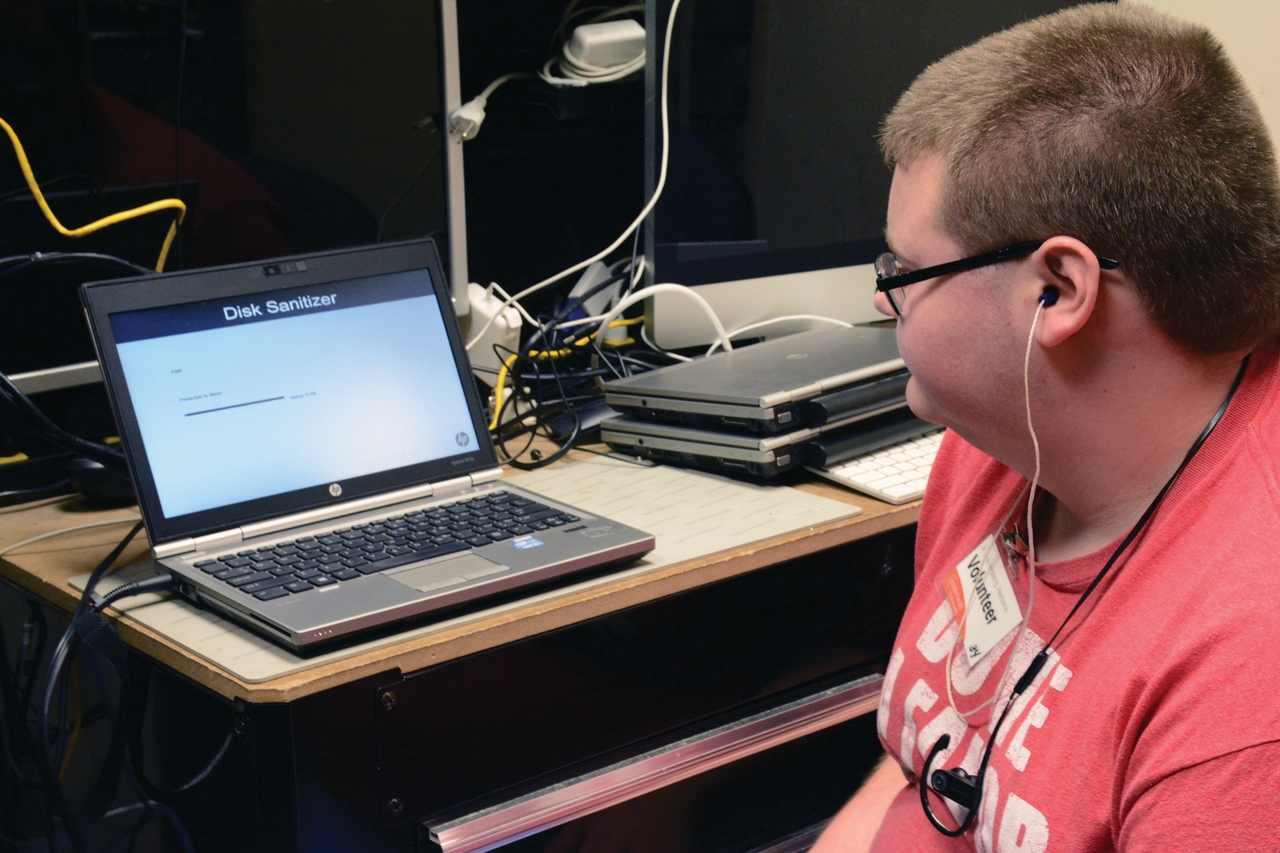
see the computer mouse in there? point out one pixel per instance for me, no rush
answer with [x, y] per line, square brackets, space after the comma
[94, 480]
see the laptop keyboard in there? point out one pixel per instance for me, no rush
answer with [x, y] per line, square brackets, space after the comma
[311, 562]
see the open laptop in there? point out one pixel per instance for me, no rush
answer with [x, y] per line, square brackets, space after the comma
[309, 449]
[806, 379]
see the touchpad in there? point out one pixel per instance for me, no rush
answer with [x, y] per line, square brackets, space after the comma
[460, 569]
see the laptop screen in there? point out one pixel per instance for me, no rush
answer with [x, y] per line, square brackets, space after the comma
[258, 394]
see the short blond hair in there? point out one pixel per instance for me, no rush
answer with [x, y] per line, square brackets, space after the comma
[1127, 129]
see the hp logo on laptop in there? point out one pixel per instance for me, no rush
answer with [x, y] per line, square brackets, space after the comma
[335, 489]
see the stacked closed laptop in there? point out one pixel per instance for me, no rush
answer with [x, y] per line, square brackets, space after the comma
[807, 399]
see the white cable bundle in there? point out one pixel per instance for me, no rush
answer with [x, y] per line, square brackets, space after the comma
[598, 53]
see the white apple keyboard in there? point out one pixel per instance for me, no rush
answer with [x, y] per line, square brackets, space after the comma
[895, 474]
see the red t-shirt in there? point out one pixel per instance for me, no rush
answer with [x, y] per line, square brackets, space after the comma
[1155, 724]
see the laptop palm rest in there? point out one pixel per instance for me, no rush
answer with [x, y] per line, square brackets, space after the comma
[467, 567]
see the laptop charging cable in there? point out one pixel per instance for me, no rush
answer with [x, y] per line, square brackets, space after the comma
[27, 418]
[89, 627]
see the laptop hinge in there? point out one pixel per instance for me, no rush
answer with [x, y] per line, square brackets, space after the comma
[486, 476]
[831, 383]
[449, 487]
[169, 549]
[262, 528]
[314, 516]
[221, 539]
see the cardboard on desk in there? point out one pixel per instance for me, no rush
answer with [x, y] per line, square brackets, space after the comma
[691, 514]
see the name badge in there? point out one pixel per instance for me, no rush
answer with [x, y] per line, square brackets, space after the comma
[982, 600]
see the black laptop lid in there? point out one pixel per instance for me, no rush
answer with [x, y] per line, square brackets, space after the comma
[258, 390]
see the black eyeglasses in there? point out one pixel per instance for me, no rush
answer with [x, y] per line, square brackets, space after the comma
[892, 279]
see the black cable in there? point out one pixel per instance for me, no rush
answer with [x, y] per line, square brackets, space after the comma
[548, 332]
[561, 451]
[62, 653]
[14, 733]
[208, 768]
[63, 697]
[9, 696]
[540, 417]
[571, 400]
[61, 810]
[585, 374]
[32, 661]
[103, 793]
[159, 583]
[31, 420]
[555, 372]
[57, 258]
[382, 221]
[25, 190]
[571, 307]
[28, 417]
[595, 345]
[517, 378]
[177, 122]
[549, 327]
[17, 496]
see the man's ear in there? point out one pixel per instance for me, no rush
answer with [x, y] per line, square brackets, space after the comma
[1068, 267]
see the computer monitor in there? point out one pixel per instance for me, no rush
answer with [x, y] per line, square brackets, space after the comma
[776, 189]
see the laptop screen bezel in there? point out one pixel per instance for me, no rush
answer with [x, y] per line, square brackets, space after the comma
[102, 299]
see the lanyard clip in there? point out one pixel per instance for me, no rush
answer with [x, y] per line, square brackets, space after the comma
[1015, 545]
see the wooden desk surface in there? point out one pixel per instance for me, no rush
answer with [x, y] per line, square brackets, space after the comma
[44, 568]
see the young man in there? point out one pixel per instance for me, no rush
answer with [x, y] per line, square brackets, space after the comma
[1119, 158]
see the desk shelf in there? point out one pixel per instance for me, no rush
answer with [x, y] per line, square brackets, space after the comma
[504, 706]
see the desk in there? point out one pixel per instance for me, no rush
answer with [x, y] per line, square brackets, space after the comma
[372, 746]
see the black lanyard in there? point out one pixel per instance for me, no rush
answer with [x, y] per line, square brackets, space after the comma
[965, 790]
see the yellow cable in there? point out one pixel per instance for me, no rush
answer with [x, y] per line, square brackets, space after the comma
[122, 216]
[73, 740]
[543, 355]
[497, 391]
[168, 238]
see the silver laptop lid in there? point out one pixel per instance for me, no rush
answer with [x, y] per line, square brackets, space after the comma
[252, 392]
[622, 426]
[779, 371]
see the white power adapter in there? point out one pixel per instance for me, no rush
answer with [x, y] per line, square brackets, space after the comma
[609, 44]
[505, 332]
